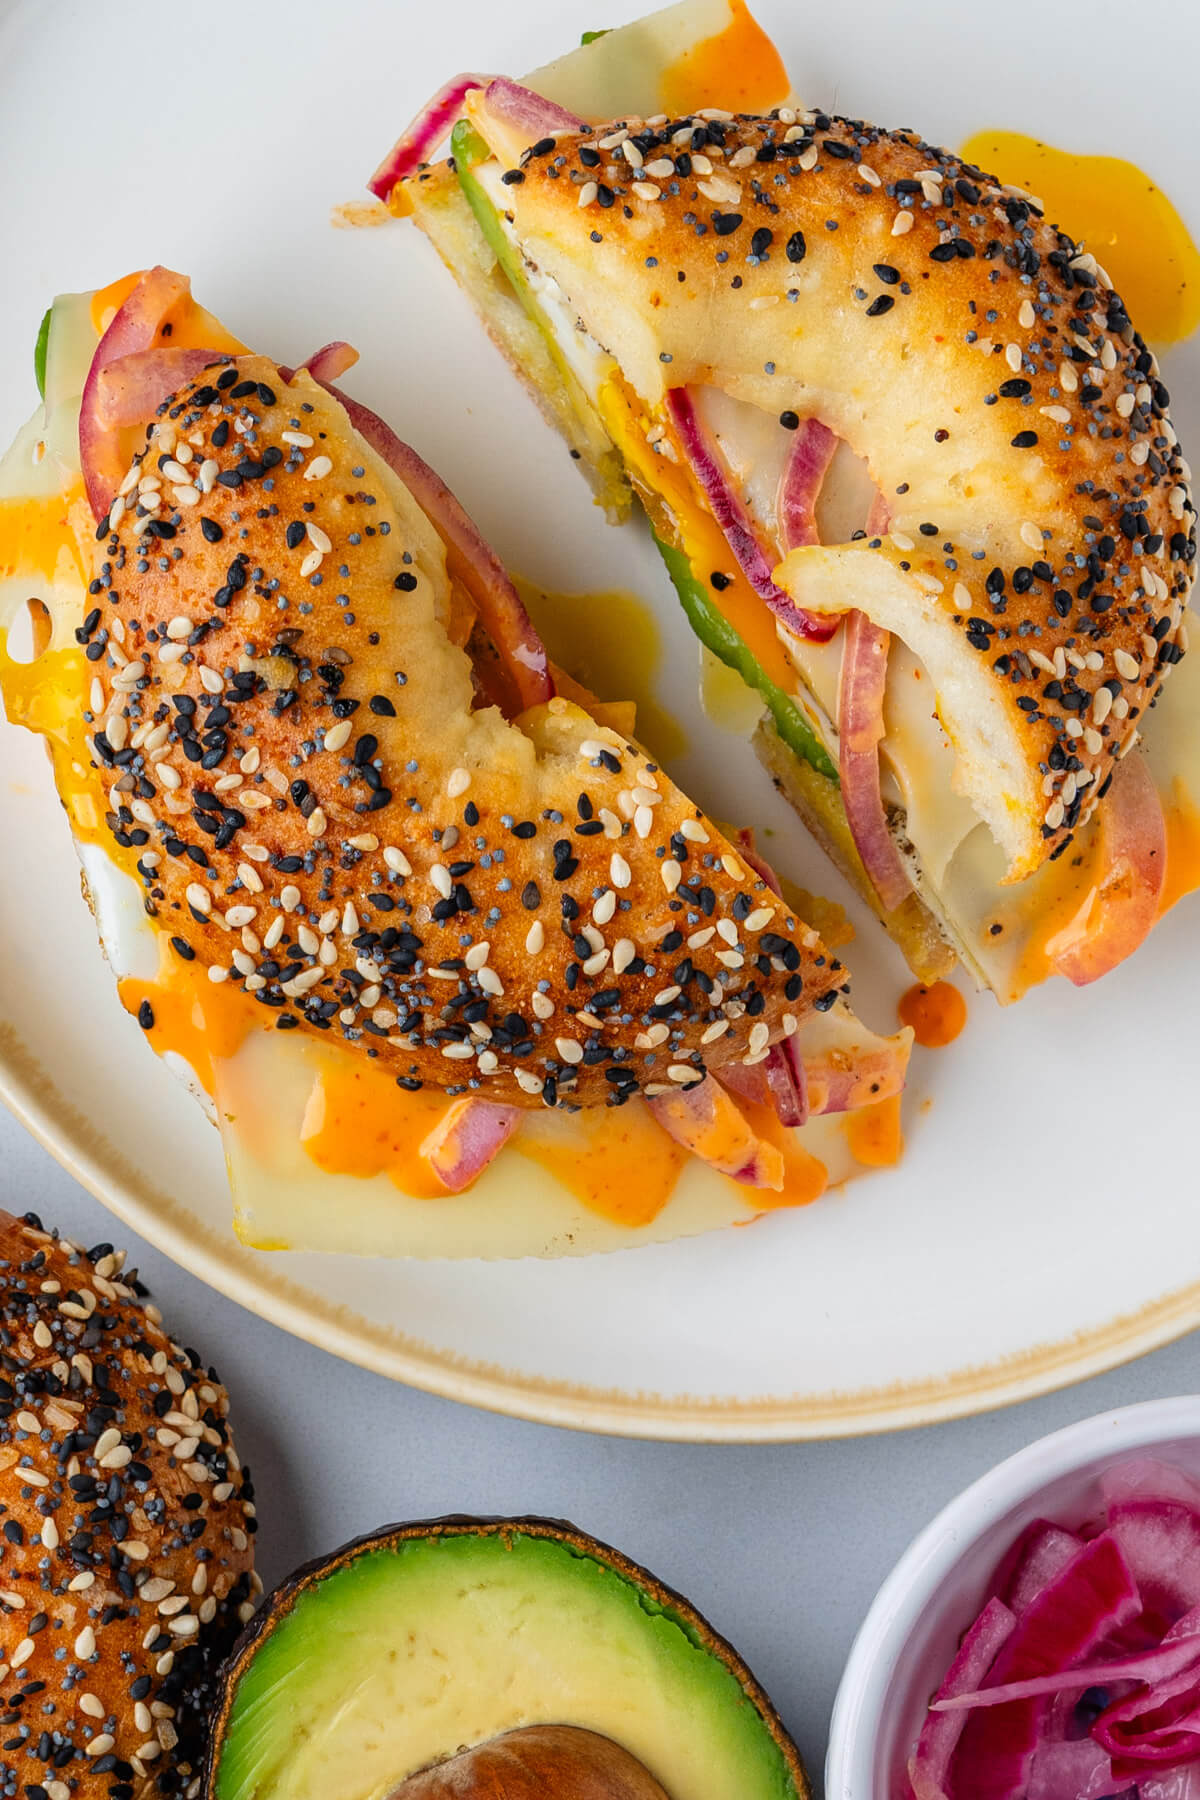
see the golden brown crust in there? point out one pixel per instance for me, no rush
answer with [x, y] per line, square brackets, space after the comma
[127, 1529]
[288, 740]
[980, 361]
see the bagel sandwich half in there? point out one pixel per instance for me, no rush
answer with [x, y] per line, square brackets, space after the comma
[910, 466]
[417, 924]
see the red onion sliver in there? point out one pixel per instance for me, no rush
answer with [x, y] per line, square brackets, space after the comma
[1047, 1553]
[1160, 1663]
[1160, 1540]
[469, 1135]
[806, 468]
[330, 361]
[941, 1731]
[134, 327]
[1120, 909]
[860, 728]
[786, 1085]
[730, 515]
[415, 144]
[1079, 1770]
[530, 113]
[707, 1122]
[1091, 1598]
[129, 391]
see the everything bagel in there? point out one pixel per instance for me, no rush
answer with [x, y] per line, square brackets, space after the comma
[979, 362]
[293, 748]
[754, 304]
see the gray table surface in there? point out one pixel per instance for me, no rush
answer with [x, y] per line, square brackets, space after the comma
[782, 1547]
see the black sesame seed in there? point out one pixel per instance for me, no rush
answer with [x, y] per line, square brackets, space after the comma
[212, 531]
[882, 303]
[380, 704]
[886, 273]
[790, 421]
[405, 581]
[725, 224]
[1025, 440]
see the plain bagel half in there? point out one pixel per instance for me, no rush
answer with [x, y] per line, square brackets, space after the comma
[293, 748]
[1040, 545]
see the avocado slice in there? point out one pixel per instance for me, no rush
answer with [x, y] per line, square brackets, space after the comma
[421, 1642]
[713, 628]
[576, 415]
[39, 352]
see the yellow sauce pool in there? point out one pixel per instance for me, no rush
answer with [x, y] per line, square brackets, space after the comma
[1121, 216]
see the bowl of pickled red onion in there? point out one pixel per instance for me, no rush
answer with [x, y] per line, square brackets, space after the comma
[1040, 1639]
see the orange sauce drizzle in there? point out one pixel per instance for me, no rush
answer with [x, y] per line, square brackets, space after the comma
[358, 1122]
[1121, 216]
[805, 1176]
[703, 540]
[1183, 846]
[196, 1018]
[738, 68]
[617, 1163]
[937, 1013]
[875, 1135]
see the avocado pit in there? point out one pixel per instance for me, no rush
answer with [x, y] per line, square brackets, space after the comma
[537, 1762]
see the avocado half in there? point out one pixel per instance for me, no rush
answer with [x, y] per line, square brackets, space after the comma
[419, 1645]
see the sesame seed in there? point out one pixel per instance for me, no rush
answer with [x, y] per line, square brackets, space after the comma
[317, 468]
[619, 871]
[671, 874]
[458, 783]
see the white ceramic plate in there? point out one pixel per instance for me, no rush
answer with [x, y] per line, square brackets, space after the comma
[1044, 1223]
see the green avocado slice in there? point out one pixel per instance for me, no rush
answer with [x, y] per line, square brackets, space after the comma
[39, 352]
[411, 1645]
[713, 628]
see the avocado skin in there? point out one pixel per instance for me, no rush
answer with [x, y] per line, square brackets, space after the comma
[282, 1598]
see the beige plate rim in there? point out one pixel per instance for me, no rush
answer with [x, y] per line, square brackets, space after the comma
[31, 1095]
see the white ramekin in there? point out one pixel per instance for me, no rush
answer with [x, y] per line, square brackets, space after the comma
[908, 1638]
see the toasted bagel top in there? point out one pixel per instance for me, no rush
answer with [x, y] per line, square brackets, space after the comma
[289, 741]
[126, 1562]
[1041, 545]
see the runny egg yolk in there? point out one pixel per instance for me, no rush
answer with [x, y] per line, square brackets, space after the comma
[1119, 214]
